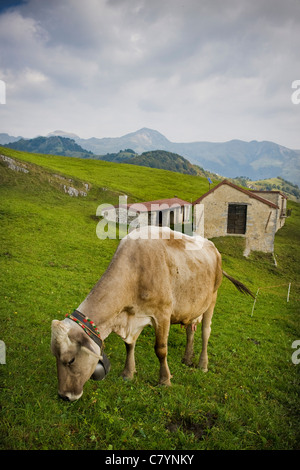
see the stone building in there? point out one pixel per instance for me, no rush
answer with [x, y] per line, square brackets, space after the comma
[163, 212]
[254, 215]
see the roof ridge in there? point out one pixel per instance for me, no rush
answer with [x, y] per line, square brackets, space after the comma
[246, 191]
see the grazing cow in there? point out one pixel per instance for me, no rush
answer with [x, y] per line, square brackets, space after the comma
[153, 279]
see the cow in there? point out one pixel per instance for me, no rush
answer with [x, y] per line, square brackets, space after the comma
[156, 277]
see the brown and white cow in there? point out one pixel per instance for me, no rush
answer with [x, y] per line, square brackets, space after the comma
[153, 279]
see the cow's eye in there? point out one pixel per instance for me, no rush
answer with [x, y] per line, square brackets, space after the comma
[71, 361]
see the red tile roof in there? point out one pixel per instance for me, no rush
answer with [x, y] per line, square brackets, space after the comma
[141, 206]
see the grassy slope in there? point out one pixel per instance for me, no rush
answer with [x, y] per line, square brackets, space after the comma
[140, 183]
[50, 258]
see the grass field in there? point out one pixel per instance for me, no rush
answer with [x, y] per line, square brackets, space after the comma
[50, 259]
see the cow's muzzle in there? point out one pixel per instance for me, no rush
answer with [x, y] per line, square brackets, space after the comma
[69, 396]
[64, 397]
[102, 368]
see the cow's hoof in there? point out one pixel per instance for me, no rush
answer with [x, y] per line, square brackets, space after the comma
[165, 383]
[127, 378]
[187, 362]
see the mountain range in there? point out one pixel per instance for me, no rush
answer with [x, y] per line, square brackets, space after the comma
[255, 160]
[53, 145]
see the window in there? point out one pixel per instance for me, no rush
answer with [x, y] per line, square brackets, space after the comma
[237, 217]
[171, 219]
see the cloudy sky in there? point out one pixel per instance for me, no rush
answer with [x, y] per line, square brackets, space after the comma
[194, 70]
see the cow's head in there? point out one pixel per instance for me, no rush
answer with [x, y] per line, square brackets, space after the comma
[76, 357]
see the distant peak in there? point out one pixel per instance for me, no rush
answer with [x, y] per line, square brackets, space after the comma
[62, 134]
[150, 134]
[146, 130]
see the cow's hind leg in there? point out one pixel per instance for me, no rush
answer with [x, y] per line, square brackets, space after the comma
[206, 322]
[189, 349]
[129, 368]
[206, 329]
[161, 350]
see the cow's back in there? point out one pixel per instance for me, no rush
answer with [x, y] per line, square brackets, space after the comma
[195, 274]
[178, 274]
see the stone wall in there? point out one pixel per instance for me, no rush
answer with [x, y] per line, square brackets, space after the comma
[281, 201]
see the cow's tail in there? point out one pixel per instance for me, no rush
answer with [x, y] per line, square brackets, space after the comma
[239, 285]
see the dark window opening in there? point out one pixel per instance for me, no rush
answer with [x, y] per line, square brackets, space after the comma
[237, 217]
[160, 218]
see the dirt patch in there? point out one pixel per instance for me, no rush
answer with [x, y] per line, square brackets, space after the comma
[198, 426]
[255, 341]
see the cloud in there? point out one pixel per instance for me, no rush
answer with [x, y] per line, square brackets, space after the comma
[192, 69]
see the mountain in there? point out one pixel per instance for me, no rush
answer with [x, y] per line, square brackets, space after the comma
[69, 135]
[6, 138]
[54, 145]
[256, 160]
[140, 141]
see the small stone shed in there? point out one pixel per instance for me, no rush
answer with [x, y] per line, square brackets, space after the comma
[234, 211]
[162, 212]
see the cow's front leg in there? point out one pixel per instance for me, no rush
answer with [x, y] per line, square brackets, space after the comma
[161, 350]
[189, 349]
[129, 368]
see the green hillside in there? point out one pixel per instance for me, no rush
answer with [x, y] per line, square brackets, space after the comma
[50, 258]
[119, 157]
[155, 159]
[277, 184]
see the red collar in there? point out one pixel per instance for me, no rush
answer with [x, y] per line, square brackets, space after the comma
[87, 325]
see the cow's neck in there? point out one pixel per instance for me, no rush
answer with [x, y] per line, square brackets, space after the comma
[105, 301]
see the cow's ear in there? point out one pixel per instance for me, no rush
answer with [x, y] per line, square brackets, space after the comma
[59, 327]
[59, 334]
[88, 346]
